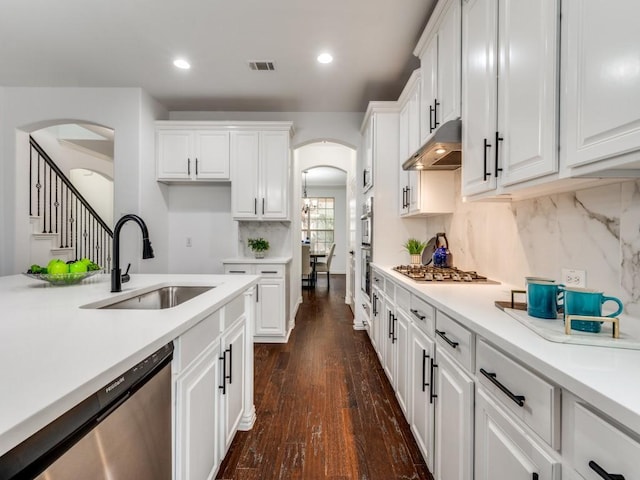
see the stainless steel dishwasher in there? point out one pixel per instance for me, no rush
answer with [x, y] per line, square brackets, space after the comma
[123, 431]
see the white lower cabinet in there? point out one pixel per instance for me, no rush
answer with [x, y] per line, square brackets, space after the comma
[595, 448]
[504, 451]
[454, 420]
[421, 404]
[271, 308]
[198, 439]
[388, 350]
[212, 387]
[401, 348]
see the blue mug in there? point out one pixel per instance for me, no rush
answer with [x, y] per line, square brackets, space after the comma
[543, 297]
[581, 301]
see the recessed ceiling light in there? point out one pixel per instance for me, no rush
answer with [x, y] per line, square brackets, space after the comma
[182, 63]
[325, 58]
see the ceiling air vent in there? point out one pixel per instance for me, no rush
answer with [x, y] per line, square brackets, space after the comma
[262, 66]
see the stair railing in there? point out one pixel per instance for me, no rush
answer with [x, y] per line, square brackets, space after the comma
[65, 211]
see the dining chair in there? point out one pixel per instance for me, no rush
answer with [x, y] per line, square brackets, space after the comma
[307, 269]
[325, 267]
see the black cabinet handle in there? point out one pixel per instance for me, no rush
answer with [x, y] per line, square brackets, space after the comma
[436, 103]
[255, 206]
[603, 473]
[263, 206]
[431, 127]
[393, 329]
[443, 335]
[269, 271]
[424, 369]
[389, 327]
[188, 166]
[534, 476]
[196, 165]
[257, 294]
[417, 314]
[230, 350]
[486, 146]
[375, 301]
[237, 271]
[223, 387]
[408, 196]
[519, 399]
[431, 380]
[498, 139]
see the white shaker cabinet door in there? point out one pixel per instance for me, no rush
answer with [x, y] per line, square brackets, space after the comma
[212, 161]
[198, 449]
[270, 316]
[601, 80]
[429, 88]
[448, 81]
[245, 151]
[274, 174]
[503, 451]
[174, 154]
[233, 343]
[479, 45]
[526, 137]
[454, 421]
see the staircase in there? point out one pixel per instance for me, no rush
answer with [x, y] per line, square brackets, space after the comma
[63, 223]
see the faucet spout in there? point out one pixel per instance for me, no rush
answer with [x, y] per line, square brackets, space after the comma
[147, 250]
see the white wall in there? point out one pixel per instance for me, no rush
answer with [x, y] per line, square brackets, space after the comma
[126, 110]
[595, 229]
[97, 190]
[308, 127]
[203, 214]
[339, 262]
[5, 259]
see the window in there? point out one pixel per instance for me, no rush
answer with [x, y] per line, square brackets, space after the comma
[318, 220]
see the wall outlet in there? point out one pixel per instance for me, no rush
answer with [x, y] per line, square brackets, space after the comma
[574, 278]
[189, 241]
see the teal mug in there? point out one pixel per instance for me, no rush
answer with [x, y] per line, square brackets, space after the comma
[543, 298]
[582, 301]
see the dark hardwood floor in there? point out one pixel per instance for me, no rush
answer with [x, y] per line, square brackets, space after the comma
[325, 408]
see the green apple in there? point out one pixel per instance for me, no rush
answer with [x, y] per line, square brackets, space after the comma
[57, 267]
[77, 267]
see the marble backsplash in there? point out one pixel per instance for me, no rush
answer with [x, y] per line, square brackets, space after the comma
[277, 233]
[596, 229]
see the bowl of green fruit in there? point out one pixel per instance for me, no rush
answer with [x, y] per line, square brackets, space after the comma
[59, 272]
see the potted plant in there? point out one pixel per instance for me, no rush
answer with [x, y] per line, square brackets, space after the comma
[258, 246]
[415, 248]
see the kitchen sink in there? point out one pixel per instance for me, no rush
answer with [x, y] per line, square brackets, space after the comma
[158, 299]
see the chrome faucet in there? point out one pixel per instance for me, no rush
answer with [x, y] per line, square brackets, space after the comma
[147, 251]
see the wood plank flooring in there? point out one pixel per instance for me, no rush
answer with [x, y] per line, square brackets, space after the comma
[325, 407]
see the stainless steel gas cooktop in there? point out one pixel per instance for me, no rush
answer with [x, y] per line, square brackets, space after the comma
[428, 273]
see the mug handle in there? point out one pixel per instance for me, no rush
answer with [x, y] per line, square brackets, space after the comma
[614, 299]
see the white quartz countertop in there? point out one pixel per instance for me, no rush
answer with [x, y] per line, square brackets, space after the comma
[608, 378]
[54, 354]
[283, 260]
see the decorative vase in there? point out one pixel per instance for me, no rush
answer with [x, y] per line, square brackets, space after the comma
[416, 259]
[259, 254]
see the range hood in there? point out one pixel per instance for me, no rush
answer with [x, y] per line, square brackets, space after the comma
[441, 152]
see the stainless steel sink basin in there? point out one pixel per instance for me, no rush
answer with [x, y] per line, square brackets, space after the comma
[160, 298]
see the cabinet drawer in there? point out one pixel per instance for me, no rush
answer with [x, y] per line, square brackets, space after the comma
[403, 299]
[197, 339]
[378, 280]
[390, 289]
[598, 444]
[456, 340]
[239, 269]
[530, 398]
[423, 314]
[269, 270]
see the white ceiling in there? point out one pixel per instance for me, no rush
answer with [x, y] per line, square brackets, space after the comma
[324, 177]
[132, 43]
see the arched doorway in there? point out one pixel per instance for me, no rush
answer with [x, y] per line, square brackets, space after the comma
[325, 162]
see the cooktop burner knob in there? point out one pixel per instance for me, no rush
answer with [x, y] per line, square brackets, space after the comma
[438, 276]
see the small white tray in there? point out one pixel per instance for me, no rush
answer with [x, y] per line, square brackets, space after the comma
[553, 330]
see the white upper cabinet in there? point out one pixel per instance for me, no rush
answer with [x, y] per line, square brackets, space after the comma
[260, 179]
[439, 53]
[509, 92]
[600, 82]
[186, 152]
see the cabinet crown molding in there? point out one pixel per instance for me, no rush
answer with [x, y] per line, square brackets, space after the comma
[378, 107]
[230, 125]
[432, 26]
[407, 91]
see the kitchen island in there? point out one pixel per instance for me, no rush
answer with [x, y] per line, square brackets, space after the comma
[55, 353]
[501, 389]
